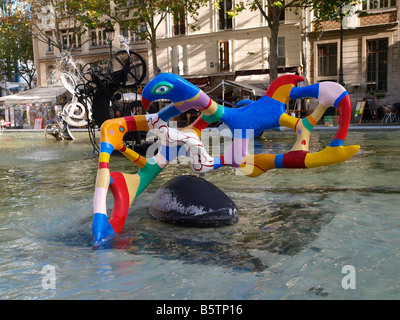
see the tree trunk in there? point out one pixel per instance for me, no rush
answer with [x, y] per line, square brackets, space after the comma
[152, 37]
[154, 55]
[273, 49]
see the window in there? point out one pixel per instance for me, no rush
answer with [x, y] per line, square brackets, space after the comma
[70, 40]
[327, 59]
[378, 4]
[224, 56]
[133, 34]
[141, 29]
[179, 23]
[50, 47]
[103, 66]
[129, 36]
[13, 76]
[98, 37]
[377, 64]
[225, 21]
[281, 52]
[51, 75]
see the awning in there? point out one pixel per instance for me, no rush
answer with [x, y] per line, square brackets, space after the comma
[14, 88]
[199, 82]
[245, 86]
[130, 96]
[37, 95]
[258, 80]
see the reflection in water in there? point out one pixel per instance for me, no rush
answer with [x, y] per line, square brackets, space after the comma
[271, 225]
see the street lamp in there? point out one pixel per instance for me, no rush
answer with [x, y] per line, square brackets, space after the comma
[109, 30]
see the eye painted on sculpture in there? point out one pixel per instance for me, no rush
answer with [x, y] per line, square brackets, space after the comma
[162, 87]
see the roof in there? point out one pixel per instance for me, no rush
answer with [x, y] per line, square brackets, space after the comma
[39, 94]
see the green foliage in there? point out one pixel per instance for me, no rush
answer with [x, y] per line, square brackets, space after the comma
[16, 48]
[49, 17]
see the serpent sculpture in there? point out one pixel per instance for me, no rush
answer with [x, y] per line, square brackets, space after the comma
[245, 123]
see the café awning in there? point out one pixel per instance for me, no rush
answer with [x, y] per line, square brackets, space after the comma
[256, 91]
[239, 85]
[50, 95]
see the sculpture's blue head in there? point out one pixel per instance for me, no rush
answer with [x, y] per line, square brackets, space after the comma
[168, 86]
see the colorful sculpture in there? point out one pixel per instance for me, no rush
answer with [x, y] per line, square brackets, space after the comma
[244, 122]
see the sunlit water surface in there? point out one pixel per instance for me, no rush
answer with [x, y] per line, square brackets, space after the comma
[297, 228]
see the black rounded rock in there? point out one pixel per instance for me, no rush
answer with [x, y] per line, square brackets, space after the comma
[193, 202]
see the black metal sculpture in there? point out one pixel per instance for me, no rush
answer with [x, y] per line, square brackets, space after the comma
[101, 91]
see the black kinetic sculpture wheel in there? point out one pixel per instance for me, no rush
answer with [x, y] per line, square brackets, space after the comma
[99, 91]
[127, 69]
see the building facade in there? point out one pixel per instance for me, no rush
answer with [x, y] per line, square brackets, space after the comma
[223, 47]
[371, 52]
[237, 49]
[217, 45]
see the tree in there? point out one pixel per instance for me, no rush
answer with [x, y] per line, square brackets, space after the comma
[144, 17]
[271, 10]
[16, 48]
[62, 23]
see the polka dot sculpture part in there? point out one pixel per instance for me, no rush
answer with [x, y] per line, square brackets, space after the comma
[249, 121]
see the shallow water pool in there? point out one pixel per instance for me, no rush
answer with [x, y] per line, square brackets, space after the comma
[297, 228]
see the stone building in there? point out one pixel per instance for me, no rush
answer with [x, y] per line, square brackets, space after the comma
[228, 48]
[371, 52]
[237, 48]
